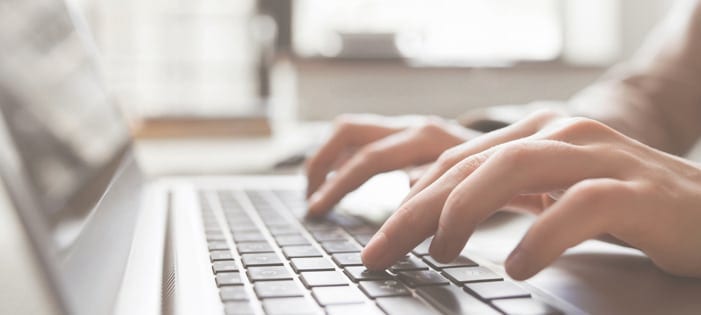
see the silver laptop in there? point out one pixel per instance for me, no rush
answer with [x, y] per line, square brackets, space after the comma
[97, 237]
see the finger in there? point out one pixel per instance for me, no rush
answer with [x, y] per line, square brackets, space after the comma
[584, 212]
[415, 173]
[349, 133]
[396, 151]
[521, 129]
[525, 167]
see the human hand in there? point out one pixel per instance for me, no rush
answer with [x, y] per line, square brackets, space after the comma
[362, 146]
[582, 178]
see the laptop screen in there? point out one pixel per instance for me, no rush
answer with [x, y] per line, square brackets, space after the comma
[62, 122]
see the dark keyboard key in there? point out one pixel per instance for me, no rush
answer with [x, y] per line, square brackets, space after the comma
[361, 229]
[409, 263]
[363, 239]
[460, 261]
[422, 249]
[375, 289]
[277, 289]
[217, 236]
[330, 235]
[254, 247]
[422, 278]
[361, 274]
[241, 228]
[292, 239]
[301, 251]
[289, 306]
[470, 274]
[347, 259]
[248, 237]
[311, 264]
[525, 307]
[340, 247]
[323, 278]
[318, 225]
[230, 293]
[217, 255]
[268, 273]
[238, 308]
[228, 278]
[496, 290]
[450, 299]
[338, 295]
[405, 306]
[353, 309]
[224, 266]
[283, 230]
[217, 245]
[262, 259]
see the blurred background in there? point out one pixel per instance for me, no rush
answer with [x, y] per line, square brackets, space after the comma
[314, 59]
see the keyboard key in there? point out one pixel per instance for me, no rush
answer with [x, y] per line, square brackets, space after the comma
[353, 309]
[289, 306]
[228, 278]
[525, 307]
[323, 278]
[236, 293]
[363, 239]
[338, 295]
[460, 261]
[340, 247]
[450, 299]
[347, 259]
[268, 273]
[375, 289]
[311, 264]
[470, 274]
[238, 308]
[330, 235]
[217, 245]
[318, 225]
[361, 274]
[422, 278]
[301, 251]
[217, 255]
[293, 239]
[254, 247]
[262, 259]
[240, 237]
[216, 236]
[361, 229]
[422, 249]
[224, 266]
[283, 230]
[405, 306]
[409, 263]
[497, 290]
[277, 289]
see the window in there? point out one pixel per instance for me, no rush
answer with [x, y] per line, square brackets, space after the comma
[437, 30]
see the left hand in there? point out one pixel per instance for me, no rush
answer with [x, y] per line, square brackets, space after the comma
[605, 182]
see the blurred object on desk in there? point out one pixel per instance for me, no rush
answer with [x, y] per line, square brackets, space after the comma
[253, 123]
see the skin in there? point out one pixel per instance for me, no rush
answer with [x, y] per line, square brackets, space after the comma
[580, 177]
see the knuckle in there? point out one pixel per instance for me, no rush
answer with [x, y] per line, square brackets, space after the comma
[515, 153]
[471, 163]
[582, 124]
[592, 191]
[448, 158]
[545, 115]
[432, 125]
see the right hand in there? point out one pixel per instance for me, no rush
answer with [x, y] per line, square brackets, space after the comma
[362, 146]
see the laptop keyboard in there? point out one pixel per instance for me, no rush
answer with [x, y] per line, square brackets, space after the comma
[266, 259]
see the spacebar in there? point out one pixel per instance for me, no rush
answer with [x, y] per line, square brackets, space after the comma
[449, 299]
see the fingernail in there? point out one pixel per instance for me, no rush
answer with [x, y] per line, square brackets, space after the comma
[516, 265]
[375, 251]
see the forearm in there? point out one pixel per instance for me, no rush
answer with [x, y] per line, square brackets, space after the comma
[656, 97]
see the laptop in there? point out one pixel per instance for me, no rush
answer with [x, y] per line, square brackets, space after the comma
[86, 233]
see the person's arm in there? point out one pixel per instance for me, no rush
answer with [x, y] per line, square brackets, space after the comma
[656, 96]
